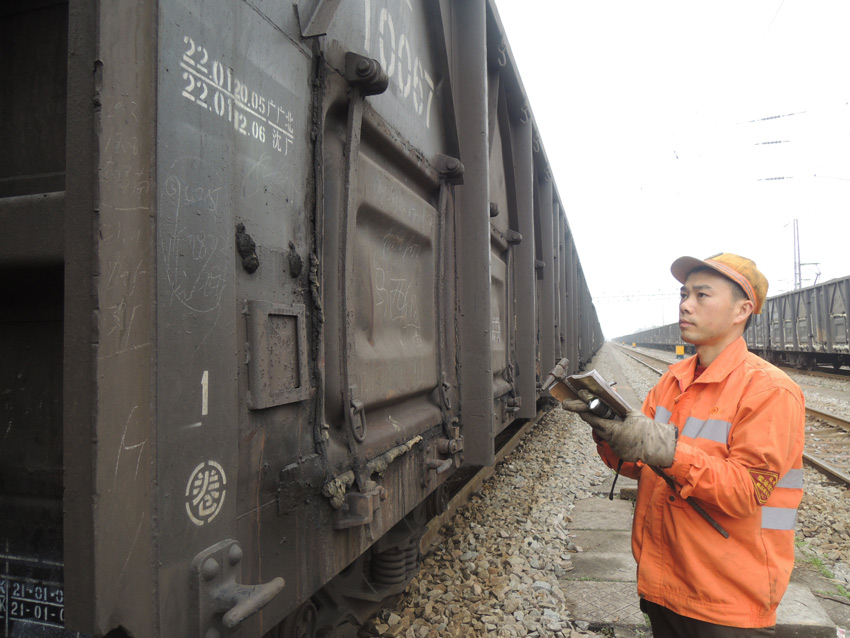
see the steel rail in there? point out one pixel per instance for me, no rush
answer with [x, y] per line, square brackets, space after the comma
[816, 461]
[821, 371]
[827, 417]
[648, 356]
[827, 469]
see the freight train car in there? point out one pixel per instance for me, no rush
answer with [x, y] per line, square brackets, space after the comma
[805, 327]
[665, 337]
[802, 328]
[272, 272]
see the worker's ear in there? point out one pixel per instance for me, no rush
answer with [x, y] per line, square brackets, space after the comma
[744, 309]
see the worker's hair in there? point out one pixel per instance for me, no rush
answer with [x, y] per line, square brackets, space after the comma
[737, 291]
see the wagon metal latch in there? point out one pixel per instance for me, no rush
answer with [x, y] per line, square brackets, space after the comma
[360, 506]
[451, 447]
[222, 603]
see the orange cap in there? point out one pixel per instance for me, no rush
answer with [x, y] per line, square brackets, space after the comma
[739, 269]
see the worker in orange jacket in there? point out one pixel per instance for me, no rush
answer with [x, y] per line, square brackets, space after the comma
[717, 451]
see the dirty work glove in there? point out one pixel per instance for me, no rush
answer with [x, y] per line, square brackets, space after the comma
[637, 438]
[578, 405]
[574, 405]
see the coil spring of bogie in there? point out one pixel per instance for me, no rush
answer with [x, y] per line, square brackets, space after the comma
[388, 568]
[395, 565]
[412, 557]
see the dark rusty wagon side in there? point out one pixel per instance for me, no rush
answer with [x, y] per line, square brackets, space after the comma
[272, 273]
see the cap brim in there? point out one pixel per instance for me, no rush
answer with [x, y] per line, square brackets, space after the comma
[684, 266]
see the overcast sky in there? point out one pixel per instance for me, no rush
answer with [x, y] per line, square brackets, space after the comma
[653, 116]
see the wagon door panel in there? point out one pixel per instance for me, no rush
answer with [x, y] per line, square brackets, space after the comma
[389, 385]
[837, 303]
[382, 350]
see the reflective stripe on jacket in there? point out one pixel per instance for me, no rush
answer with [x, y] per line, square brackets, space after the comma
[739, 454]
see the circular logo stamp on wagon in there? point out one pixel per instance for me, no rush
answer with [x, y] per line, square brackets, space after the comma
[205, 492]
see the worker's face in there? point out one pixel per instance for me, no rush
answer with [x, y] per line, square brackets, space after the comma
[709, 311]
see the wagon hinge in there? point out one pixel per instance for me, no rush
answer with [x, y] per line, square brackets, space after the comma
[526, 116]
[450, 168]
[355, 414]
[221, 603]
[508, 374]
[442, 397]
[365, 73]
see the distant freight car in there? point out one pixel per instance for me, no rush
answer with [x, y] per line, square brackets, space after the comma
[801, 328]
[271, 274]
[805, 327]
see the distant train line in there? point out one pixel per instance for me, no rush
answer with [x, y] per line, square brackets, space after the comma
[825, 371]
[804, 328]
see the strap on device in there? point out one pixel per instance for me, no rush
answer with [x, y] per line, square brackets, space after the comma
[616, 476]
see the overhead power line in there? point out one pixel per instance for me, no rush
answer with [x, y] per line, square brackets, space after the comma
[776, 117]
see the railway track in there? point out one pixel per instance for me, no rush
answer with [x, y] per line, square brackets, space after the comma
[648, 360]
[828, 444]
[823, 372]
[827, 435]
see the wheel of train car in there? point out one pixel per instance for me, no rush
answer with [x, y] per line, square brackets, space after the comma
[301, 623]
[836, 365]
[811, 363]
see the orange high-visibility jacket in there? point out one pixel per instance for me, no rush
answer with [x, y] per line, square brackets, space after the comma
[739, 455]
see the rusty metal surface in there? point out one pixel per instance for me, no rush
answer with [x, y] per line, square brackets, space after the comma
[233, 149]
[33, 44]
[546, 281]
[512, 246]
[314, 261]
[31, 587]
[525, 273]
[408, 41]
[472, 231]
[110, 441]
[33, 49]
